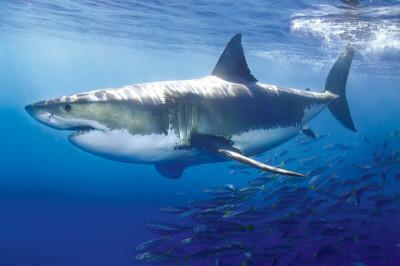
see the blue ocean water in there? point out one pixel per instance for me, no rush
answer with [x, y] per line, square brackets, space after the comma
[62, 206]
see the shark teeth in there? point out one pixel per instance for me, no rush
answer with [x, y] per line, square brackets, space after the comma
[81, 130]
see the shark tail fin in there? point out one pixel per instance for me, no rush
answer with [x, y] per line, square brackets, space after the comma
[336, 84]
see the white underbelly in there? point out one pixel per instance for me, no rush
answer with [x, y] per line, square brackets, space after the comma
[120, 145]
[311, 112]
[257, 141]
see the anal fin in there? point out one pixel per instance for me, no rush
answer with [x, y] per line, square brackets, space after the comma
[309, 132]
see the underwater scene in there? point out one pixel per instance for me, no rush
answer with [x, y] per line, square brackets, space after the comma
[199, 132]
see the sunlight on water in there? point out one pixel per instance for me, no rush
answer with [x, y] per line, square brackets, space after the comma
[315, 29]
[372, 31]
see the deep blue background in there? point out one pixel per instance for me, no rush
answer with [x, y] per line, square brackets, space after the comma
[61, 206]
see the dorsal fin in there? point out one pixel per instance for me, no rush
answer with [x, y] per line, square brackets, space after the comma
[232, 65]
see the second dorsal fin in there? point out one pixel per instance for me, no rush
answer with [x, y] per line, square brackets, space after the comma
[232, 65]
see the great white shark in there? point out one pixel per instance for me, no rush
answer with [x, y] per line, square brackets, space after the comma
[228, 115]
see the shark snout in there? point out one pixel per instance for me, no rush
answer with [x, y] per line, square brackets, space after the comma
[41, 115]
[35, 108]
[34, 112]
[61, 118]
[29, 109]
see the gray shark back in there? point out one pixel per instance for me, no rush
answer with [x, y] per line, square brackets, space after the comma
[208, 105]
[250, 107]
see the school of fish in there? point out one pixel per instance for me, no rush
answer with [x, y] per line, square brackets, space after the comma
[330, 217]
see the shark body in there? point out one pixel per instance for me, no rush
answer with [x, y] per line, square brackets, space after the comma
[228, 115]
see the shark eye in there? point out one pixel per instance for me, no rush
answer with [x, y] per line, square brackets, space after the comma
[67, 108]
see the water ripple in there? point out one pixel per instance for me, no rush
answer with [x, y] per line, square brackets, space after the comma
[293, 30]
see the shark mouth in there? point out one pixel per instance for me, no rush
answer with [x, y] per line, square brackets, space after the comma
[81, 130]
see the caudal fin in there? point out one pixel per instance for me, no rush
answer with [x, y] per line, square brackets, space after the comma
[336, 84]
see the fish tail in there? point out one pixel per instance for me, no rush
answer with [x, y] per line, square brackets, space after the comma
[336, 84]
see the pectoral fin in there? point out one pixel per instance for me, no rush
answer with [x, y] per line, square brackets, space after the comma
[170, 170]
[223, 147]
[251, 162]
